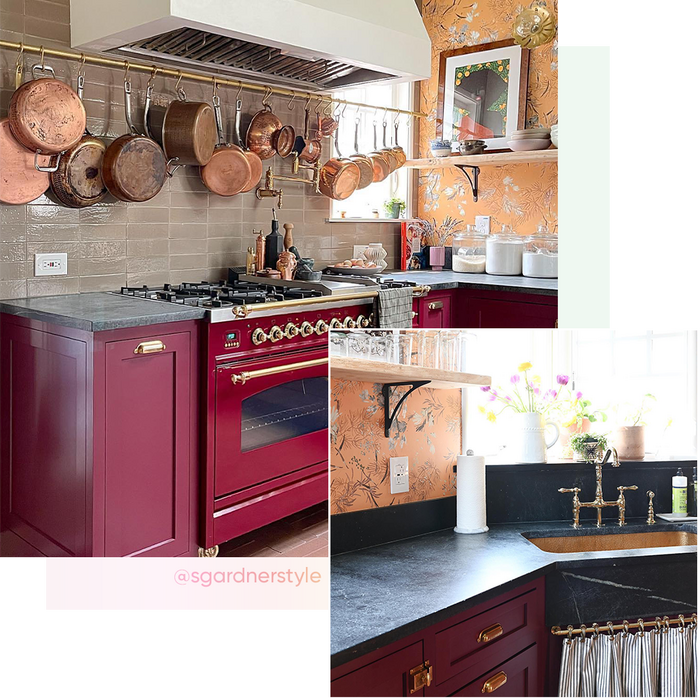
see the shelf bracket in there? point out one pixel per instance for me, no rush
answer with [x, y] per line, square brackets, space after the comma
[473, 178]
[389, 415]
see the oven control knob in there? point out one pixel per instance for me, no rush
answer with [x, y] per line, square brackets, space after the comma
[291, 331]
[335, 323]
[259, 336]
[306, 329]
[276, 334]
[362, 321]
[321, 327]
[348, 322]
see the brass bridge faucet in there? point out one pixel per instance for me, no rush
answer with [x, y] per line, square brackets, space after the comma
[599, 502]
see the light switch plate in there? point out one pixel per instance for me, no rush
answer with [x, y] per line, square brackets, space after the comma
[398, 467]
[358, 251]
[50, 264]
[483, 224]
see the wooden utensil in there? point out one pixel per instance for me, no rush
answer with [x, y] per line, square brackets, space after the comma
[134, 166]
[20, 181]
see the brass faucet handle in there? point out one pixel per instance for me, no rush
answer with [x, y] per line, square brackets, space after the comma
[626, 488]
[650, 512]
[575, 490]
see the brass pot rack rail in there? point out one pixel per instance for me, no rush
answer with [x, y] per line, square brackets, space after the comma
[640, 624]
[186, 75]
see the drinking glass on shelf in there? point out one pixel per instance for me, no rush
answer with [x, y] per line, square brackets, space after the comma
[465, 351]
[403, 346]
[449, 358]
[339, 344]
[380, 348]
[429, 348]
[358, 345]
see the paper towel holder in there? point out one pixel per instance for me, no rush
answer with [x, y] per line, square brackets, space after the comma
[389, 415]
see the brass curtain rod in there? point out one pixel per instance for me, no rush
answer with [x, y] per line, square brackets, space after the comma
[659, 623]
[145, 68]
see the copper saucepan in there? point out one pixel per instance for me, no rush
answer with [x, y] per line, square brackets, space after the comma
[380, 164]
[77, 182]
[339, 176]
[20, 181]
[362, 161]
[134, 167]
[311, 150]
[46, 115]
[256, 166]
[388, 152]
[262, 130]
[228, 170]
[398, 151]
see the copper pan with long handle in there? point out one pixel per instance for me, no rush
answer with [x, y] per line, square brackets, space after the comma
[20, 181]
[398, 151]
[228, 170]
[380, 164]
[311, 147]
[134, 167]
[388, 152]
[362, 161]
[256, 166]
[339, 176]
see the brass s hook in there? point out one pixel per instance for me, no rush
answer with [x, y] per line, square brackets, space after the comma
[19, 65]
[152, 78]
[317, 109]
[266, 97]
[215, 86]
[240, 90]
[290, 104]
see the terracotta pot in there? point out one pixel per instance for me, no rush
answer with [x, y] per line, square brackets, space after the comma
[629, 442]
[567, 432]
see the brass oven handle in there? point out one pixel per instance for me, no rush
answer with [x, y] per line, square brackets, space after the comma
[490, 633]
[421, 290]
[149, 346]
[495, 682]
[243, 377]
[435, 305]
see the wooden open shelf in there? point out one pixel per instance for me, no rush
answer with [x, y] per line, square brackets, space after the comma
[550, 155]
[386, 373]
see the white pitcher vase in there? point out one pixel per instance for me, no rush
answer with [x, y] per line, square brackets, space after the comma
[530, 445]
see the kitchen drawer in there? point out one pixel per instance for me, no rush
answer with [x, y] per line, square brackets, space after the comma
[387, 677]
[519, 677]
[514, 625]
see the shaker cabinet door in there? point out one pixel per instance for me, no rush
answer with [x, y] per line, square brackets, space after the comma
[147, 445]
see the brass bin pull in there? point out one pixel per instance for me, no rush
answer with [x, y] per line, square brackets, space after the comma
[495, 682]
[149, 346]
[422, 676]
[490, 633]
[435, 305]
[243, 377]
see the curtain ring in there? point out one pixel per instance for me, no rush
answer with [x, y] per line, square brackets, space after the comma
[583, 632]
[694, 619]
[640, 623]
[611, 629]
[596, 630]
[291, 102]
[667, 623]
[681, 621]
[657, 624]
[626, 627]
[570, 630]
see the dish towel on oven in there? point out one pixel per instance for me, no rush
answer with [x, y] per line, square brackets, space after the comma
[393, 308]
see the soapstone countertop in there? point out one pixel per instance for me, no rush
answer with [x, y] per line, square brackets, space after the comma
[447, 279]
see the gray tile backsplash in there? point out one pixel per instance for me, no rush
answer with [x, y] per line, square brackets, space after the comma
[183, 234]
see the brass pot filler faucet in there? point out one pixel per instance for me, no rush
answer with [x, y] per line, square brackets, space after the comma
[599, 502]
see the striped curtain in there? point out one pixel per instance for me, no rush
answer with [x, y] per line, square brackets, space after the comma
[643, 664]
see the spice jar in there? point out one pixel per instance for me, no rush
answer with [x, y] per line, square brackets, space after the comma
[541, 254]
[504, 252]
[469, 251]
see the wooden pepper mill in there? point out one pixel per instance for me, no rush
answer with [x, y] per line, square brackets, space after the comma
[288, 238]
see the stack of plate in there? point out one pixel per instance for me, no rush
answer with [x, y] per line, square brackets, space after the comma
[555, 136]
[536, 139]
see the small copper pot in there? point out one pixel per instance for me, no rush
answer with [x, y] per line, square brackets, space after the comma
[20, 181]
[339, 176]
[256, 166]
[380, 164]
[260, 137]
[311, 151]
[362, 162]
[284, 140]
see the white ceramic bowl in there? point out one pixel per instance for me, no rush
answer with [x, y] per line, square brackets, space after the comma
[441, 152]
[529, 144]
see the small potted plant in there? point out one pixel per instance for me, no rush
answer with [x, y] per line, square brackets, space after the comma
[394, 207]
[629, 436]
[587, 446]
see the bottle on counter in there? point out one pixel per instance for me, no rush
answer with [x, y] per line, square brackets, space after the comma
[680, 494]
[469, 251]
[504, 252]
[541, 254]
[259, 251]
[274, 244]
[250, 261]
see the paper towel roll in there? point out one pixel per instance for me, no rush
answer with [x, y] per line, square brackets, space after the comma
[471, 495]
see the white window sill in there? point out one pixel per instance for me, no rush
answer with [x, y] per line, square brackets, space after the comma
[351, 220]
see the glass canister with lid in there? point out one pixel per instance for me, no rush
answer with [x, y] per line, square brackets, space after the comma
[504, 252]
[541, 254]
[469, 250]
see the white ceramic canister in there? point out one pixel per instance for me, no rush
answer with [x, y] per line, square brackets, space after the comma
[529, 444]
[504, 253]
[376, 254]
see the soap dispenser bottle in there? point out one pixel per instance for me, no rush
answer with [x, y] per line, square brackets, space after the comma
[680, 494]
[274, 244]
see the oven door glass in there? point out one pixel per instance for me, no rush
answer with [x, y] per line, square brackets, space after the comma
[271, 418]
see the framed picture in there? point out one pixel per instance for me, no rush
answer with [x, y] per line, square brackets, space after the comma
[482, 91]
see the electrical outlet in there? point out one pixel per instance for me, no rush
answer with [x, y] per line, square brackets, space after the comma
[50, 264]
[358, 251]
[398, 467]
[483, 224]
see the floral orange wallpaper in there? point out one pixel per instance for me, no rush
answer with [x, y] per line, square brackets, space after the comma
[427, 430]
[523, 196]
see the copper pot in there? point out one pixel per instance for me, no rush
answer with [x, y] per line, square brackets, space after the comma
[284, 140]
[228, 170]
[262, 130]
[256, 166]
[362, 162]
[339, 176]
[380, 164]
[391, 157]
[398, 151]
[46, 115]
[134, 167]
[311, 150]
[20, 181]
[77, 181]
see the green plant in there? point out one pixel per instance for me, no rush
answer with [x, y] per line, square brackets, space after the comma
[392, 205]
[576, 409]
[583, 444]
[634, 413]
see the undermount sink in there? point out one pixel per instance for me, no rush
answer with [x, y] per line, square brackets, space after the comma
[600, 542]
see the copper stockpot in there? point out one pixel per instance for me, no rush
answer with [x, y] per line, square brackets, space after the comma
[20, 181]
[339, 176]
[380, 164]
[228, 170]
[77, 181]
[134, 168]
[362, 162]
[256, 166]
[46, 115]
[263, 127]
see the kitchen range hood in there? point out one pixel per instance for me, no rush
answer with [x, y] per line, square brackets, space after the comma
[307, 45]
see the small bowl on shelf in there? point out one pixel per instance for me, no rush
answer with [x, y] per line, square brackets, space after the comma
[529, 144]
[440, 148]
[471, 147]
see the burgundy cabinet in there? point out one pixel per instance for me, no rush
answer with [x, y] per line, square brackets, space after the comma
[434, 310]
[99, 440]
[495, 648]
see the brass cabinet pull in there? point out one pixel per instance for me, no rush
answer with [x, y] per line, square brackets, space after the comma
[243, 377]
[490, 633]
[435, 305]
[149, 346]
[495, 682]
[421, 676]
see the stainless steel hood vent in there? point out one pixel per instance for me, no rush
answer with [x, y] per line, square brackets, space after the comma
[309, 45]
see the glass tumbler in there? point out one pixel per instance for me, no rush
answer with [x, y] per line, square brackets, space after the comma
[465, 353]
[449, 358]
[380, 348]
[403, 346]
[429, 354]
[339, 344]
[358, 345]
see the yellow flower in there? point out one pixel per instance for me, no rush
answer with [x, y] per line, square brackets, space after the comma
[459, 75]
[491, 417]
[499, 63]
[536, 378]
[500, 68]
[524, 366]
[468, 67]
[457, 82]
[466, 74]
[480, 65]
[482, 409]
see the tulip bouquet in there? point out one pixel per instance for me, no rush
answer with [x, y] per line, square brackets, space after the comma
[524, 395]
